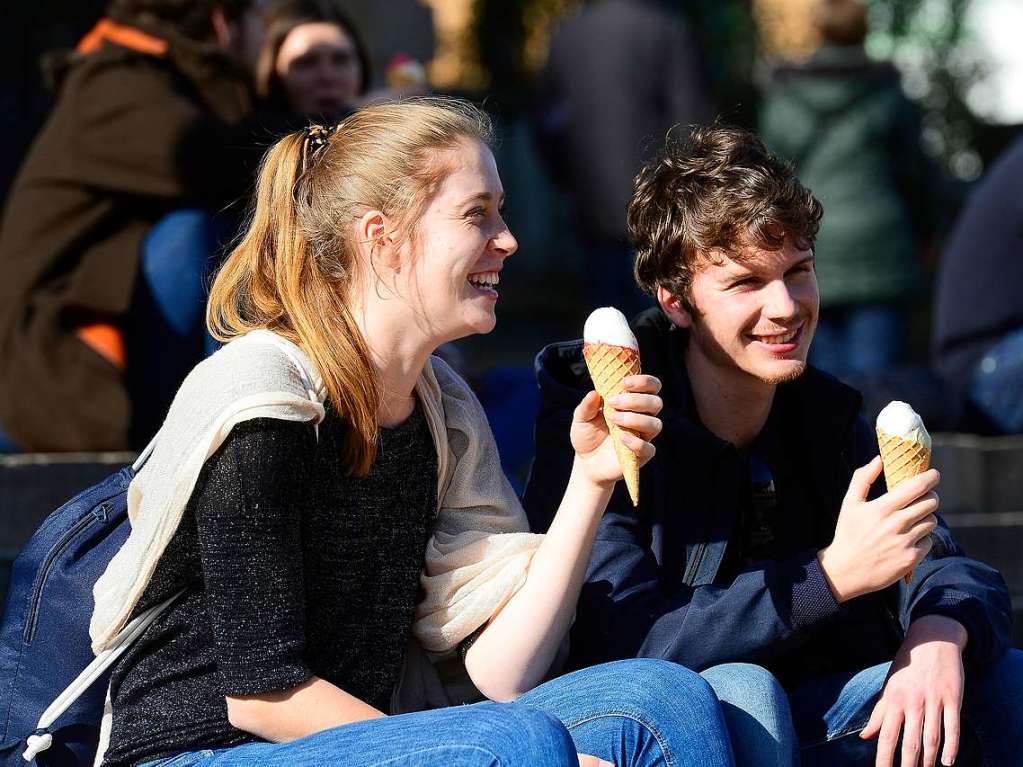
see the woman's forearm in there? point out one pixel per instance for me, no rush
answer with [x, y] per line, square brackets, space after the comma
[519, 644]
[313, 706]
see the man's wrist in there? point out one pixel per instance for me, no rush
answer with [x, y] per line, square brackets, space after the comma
[938, 628]
[830, 571]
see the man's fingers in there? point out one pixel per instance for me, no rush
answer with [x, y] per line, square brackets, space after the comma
[642, 383]
[921, 527]
[863, 478]
[932, 734]
[586, 760]
[951, 719]
[888, 738]
[912, 489]
[874, 724]
[919, 511]
[922, 548]
[912, 732]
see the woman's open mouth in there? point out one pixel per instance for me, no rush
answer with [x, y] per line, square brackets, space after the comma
[485, 282]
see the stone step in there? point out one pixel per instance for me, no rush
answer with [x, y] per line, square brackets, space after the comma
[979, 474]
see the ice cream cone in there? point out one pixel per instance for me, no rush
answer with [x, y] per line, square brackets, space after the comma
[609, 365]
[902, 459]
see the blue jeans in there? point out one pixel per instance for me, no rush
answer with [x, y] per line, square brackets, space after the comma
[997, 386]
[859, 339]
[756, 713]
[829, 713]
[634, 713]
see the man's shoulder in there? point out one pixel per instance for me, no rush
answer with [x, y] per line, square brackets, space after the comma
[821, 392]
[561, 370]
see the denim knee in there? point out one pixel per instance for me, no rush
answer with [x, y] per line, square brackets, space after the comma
[520, 734]
[645, 685]
[757, 712]
[748, 686]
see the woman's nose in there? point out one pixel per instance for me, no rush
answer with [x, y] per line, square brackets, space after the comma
[505, 242]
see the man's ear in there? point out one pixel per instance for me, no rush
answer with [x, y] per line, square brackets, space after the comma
[673, 308]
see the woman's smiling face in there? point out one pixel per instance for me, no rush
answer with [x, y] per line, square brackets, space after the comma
[451, 265]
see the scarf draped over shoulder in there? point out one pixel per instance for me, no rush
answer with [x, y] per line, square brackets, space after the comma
[480, 550]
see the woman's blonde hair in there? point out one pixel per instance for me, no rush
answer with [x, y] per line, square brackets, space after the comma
[293, 269]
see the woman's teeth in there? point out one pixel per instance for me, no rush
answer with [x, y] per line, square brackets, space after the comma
[782, 339]
[484, 280]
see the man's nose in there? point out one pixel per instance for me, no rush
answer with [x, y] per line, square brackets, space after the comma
[779, 304]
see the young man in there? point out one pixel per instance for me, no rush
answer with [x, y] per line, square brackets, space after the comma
[758, 543]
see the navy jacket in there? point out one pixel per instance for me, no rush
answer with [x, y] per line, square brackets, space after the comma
[650, 589]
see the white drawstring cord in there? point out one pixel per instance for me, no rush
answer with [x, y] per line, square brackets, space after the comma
[40, 741]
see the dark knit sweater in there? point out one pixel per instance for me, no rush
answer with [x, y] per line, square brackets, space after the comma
[291, 569]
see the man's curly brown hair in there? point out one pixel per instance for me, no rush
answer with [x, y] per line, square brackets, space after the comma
[719, 190]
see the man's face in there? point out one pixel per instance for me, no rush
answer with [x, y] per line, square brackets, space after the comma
[753, 318]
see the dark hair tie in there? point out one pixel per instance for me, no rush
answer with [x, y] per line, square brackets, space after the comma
[316, 137]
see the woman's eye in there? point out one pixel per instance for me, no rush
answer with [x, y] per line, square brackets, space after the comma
[474, 212]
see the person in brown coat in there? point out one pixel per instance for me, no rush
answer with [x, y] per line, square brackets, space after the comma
[149, 120]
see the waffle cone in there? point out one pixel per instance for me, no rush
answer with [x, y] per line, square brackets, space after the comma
[902, 459]
[609, 365]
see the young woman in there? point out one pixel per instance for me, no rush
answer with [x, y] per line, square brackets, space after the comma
[325, 507]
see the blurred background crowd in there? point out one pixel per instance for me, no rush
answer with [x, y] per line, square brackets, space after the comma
[131, 130]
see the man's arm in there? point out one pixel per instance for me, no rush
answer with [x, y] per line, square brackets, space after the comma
[949, 583]
[629, 608]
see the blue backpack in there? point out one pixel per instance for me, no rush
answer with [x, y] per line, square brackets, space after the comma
[50, 708]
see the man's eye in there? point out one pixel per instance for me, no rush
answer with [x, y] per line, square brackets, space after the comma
[473, 212]
[744, 282]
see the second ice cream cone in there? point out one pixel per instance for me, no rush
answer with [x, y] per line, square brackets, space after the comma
[609, 365]
[902, 459]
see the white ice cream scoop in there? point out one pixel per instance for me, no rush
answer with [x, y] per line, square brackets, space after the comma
[900, 420]
[607, 325]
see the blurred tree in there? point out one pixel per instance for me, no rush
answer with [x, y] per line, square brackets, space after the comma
[508, 42]
[930, 42]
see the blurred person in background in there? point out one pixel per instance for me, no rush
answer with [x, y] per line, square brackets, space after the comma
[315, 65]
[619, 75]
[854, 138]
[978, 322]
[108, 232]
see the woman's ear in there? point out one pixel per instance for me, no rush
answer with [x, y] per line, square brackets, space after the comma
[673, 307]
[375, 235]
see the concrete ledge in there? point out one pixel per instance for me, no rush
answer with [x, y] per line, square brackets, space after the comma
[34, 484]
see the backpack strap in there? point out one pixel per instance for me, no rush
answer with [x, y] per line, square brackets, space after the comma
[41, 739]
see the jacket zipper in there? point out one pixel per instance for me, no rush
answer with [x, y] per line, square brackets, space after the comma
[99, 514]
[694, 568]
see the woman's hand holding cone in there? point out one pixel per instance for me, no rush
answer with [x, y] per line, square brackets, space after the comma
[635, 411]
